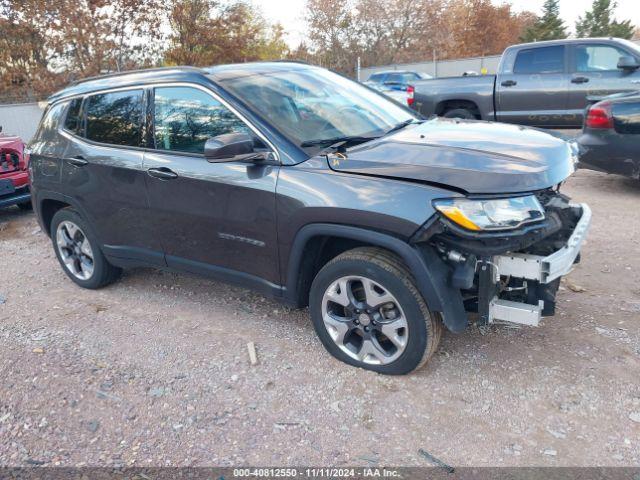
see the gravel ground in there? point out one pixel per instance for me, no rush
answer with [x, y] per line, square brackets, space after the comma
[154, 370]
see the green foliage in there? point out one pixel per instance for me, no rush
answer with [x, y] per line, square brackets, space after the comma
[599, 22]
[549, 25]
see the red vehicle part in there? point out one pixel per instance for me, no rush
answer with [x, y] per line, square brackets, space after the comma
[14, 176]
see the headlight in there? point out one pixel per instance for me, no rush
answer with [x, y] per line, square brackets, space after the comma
[496, 214]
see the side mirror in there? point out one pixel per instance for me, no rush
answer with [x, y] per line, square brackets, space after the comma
[627, 62]
[230, 147]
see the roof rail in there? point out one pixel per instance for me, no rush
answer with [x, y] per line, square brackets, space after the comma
[140, 70]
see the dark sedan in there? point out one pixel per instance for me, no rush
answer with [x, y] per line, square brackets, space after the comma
[610, 140]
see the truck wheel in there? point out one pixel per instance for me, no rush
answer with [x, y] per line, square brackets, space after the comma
[367, 311]
[78, 251]
[459, 113]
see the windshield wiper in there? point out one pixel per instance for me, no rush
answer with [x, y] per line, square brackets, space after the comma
[337, 141]
[401, 125]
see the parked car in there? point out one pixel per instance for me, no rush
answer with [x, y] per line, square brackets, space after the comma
[610, 140]
[14, 177]
[315, 190]
[395, 79]
[404, 97]
[543, 84]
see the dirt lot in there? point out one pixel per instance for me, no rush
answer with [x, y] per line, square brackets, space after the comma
[154, 370]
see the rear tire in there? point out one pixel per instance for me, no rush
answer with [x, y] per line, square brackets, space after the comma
[78, 251]
[460, 113]
[386, 326]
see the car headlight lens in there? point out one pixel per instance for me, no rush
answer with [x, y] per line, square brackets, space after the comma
[494, 214]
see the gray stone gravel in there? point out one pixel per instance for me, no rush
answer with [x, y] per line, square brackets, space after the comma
[154, 370]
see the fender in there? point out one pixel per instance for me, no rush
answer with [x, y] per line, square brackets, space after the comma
[430, 272]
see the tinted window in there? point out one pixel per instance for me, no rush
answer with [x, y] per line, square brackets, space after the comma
[597, 58]
[115, 118]
[73, 120]
[377, 77]
[540, 60]
[186, 117]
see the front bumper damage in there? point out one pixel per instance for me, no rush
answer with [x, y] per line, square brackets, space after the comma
[543, 270]
[512, 277]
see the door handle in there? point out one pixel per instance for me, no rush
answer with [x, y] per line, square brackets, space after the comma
[579, 80]
[509, 83]
[77, 161]
[162, 173]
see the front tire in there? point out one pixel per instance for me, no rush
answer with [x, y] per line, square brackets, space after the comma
[462, 113]
[78, 251]
[368, 312]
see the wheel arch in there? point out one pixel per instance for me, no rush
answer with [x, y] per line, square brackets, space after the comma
[48, 203]
[451, 104]
[429, 271]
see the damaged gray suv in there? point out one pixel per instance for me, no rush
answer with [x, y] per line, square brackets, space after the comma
[312, 189]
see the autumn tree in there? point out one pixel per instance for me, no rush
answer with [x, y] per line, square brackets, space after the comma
[331, 33]
[599, 22]
[549, 26]
[478, 27]
[46, 44]
[206, 32]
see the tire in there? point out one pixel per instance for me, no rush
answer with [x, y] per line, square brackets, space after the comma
[459, 113]
[87, 267]
[25, 206]
[359, 274]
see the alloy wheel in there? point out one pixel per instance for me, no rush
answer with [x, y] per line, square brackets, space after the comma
[75, 250]
[365, 320]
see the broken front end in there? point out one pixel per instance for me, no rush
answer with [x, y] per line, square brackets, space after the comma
[507, 255]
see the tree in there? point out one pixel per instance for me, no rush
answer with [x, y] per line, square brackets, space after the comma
[599, 22]
[206, 32]
[478, 27]
[549, 26]
[46, 44]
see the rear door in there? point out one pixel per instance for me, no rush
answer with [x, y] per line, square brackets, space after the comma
[533, 87]
[210, 217]
[594, 73]
[102, 171]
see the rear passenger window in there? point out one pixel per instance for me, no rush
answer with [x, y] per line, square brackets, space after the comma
[115, 118]
[540, 60]
[73, 121]
[186, 117]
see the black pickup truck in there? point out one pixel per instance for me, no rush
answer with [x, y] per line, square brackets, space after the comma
[543, 84]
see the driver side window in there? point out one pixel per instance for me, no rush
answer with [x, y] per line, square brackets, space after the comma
[597, 58]
[186, 117]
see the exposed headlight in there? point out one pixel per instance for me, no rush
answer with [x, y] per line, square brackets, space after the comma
[495, 214]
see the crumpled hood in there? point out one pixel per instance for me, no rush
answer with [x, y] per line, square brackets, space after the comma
[473, 156]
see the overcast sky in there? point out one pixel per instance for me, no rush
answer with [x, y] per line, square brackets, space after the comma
[290, 12]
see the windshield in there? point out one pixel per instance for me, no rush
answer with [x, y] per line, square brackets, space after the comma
[313, 104]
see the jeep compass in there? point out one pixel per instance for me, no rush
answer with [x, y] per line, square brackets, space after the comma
[313, 189]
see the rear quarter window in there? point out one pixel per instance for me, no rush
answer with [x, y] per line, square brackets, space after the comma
[115, 118]
[47, 131]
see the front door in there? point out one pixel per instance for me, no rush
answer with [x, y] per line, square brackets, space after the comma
[212, 218]
[533, 88]
[595, 74]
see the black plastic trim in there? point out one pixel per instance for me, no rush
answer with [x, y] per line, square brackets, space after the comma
[429, 271]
